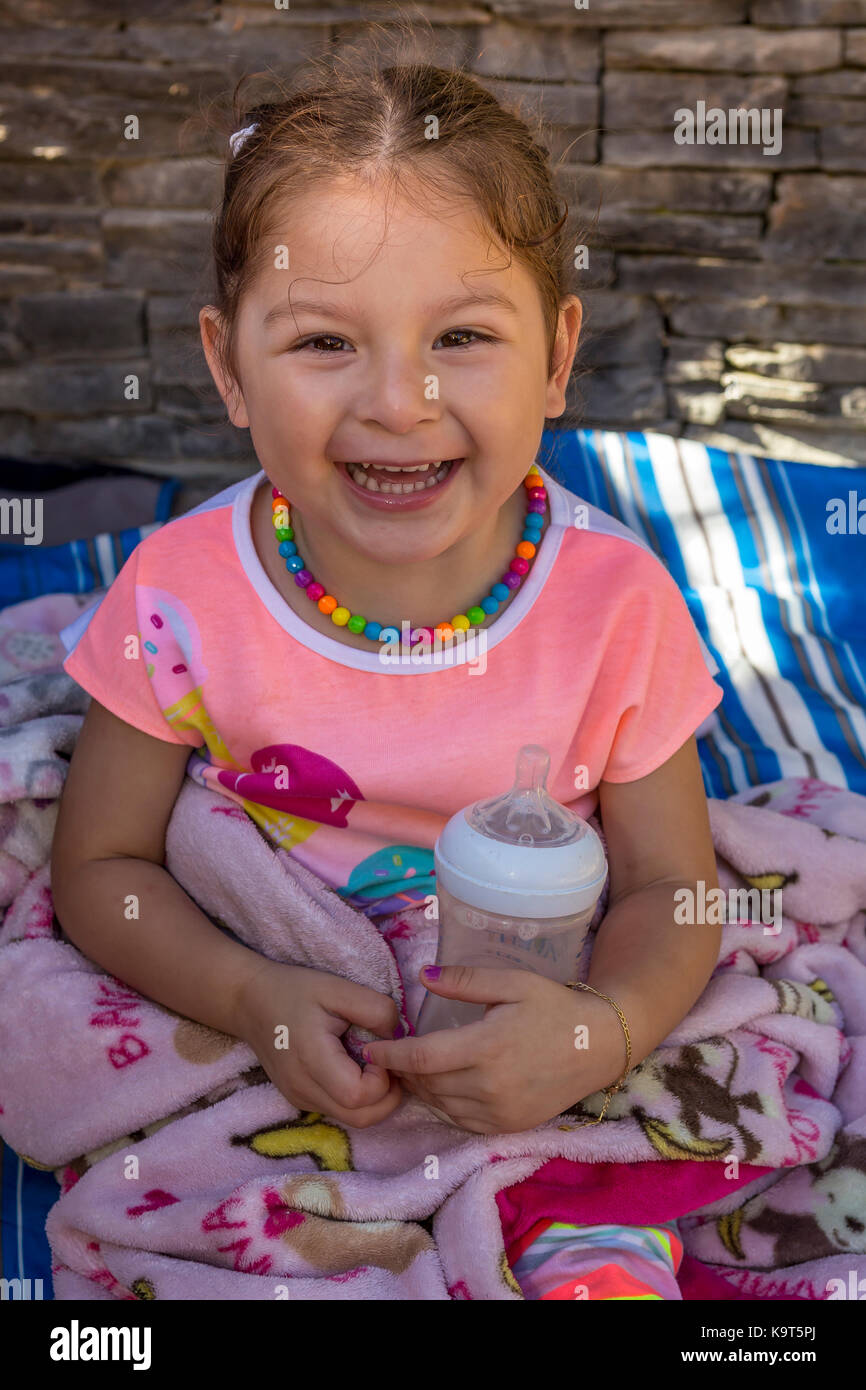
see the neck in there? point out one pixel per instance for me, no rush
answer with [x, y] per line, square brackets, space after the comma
[425, 593]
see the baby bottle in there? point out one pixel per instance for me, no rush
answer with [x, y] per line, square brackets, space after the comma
[517, 877]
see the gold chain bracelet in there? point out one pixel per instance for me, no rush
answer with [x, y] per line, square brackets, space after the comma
[609, 1091]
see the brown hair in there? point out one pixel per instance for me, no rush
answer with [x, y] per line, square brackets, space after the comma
[357, 111]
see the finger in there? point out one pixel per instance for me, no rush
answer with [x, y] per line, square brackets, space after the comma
[478, 984]
[331, 1067]
[451, 1049]
[360, 1117]
[351, 1003]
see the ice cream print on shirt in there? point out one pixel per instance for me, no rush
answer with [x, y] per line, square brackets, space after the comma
[292, 793]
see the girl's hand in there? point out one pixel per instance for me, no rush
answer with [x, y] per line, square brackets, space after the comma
[540, 1048]
[315, 1072]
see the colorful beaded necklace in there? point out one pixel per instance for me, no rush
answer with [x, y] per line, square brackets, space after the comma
[533, 524]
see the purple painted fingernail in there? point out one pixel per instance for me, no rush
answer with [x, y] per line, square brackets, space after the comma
[432, 971]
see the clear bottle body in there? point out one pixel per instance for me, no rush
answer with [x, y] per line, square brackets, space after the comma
[549, 946]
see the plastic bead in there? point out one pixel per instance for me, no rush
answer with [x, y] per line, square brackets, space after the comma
[525, 552]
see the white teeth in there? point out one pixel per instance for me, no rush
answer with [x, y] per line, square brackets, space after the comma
[360, 475]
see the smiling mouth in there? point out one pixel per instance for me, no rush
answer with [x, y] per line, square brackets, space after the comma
[400, 479]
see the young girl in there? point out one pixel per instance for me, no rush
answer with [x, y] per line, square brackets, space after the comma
[392, 323]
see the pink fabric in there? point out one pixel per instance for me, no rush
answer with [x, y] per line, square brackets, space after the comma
[352, 765]
[237, 1189]
[620, 1193]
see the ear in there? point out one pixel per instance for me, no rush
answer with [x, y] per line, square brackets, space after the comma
[564, 348]
[209, 320]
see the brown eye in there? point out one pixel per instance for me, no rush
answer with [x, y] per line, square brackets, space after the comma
[464, 333]
[330, 338]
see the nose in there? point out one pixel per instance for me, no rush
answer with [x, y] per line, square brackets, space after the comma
[399, 393]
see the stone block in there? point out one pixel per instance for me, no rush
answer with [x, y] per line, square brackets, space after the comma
[155, 250]
[826, 110]
[735, 48]
[843, 147]
[698, 404]
[788, 13]
[647, 99]
[817, 217]
[569, 54]
[694, 233]
[692, 360]
[72, 388]
[168, 183]
[724, 318]
[619, 397]
[842, 82]
[641, 148]
[100, 322]
[668, 190]
[45, 181]
[816, 362]
[611, 14]
[681, 277]
[572, 104]
[619, 330]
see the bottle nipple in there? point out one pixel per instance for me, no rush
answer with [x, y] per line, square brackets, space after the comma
[527, 815]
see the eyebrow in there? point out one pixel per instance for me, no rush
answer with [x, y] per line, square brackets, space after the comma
[288, 309]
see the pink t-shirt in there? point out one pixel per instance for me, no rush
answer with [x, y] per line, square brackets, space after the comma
[354, 765]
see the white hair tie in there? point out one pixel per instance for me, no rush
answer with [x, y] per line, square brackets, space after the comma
[237, 140]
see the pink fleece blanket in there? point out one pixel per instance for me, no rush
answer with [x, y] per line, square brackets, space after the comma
[187, 1175]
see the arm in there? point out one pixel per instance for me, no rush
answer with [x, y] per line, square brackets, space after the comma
[109, 842]
[658, 836]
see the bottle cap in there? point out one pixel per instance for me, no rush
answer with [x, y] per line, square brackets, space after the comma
[522, 854]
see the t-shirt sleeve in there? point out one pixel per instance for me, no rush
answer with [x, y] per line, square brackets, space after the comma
[109, 661]
[659, 680]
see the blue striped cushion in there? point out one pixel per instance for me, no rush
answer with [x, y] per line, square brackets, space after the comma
[78, 566]
[772, 591]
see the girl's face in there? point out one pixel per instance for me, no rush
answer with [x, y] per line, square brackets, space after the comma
[393, 336]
